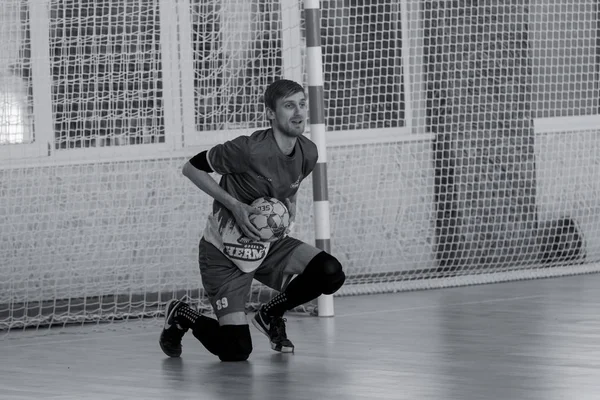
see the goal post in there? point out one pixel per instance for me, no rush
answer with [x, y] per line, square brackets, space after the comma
[312, 14]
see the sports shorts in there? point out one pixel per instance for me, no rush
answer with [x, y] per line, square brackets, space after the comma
[228, 287]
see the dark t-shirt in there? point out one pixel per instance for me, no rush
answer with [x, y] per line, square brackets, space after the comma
[251, 167]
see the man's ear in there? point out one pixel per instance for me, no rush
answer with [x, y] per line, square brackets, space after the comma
[270, 114]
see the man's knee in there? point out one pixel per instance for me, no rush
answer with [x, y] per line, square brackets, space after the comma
[334, 275]
[327, 269]
[236, 342]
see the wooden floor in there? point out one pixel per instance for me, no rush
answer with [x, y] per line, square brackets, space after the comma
[515, 341]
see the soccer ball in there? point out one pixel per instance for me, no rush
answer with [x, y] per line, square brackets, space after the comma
[273, 219]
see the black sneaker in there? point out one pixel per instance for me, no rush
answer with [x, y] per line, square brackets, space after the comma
[170, 337]
[274, 328]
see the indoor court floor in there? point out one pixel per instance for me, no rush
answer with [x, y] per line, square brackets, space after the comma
[536, 339]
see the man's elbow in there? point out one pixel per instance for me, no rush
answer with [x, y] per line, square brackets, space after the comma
[198, 163]
[187, 169]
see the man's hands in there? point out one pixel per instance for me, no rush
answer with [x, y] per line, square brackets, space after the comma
[241, 212]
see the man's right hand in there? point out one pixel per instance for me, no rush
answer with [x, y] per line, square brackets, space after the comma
[241, 212]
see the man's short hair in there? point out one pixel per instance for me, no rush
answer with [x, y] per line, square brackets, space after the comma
[280, 89]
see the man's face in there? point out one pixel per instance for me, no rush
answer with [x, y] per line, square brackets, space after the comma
[289, 116]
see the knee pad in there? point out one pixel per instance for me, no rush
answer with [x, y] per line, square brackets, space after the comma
[327, 270]
[236, 342]
[334, 275]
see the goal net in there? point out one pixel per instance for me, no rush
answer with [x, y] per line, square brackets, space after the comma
[463, 143]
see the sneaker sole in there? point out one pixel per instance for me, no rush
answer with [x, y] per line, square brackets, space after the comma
[283, 349]
[172, 355]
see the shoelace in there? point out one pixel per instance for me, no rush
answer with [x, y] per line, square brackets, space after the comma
[175, 336]
[278, 328]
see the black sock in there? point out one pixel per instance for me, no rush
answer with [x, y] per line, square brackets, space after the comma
[323, 274]
[185, 316]
[205, 329]
[300, 290]
[277, 305]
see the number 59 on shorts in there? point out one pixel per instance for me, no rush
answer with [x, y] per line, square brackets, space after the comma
[221, 303]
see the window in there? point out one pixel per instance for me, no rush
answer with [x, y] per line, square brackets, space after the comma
[363, 74]
[105, 63]
[563, 42]
[15, 82]
[237, 52]
[15, 120]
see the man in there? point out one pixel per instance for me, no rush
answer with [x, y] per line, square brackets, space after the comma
[273, 163]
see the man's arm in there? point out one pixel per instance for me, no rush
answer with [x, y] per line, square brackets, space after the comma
[240, 211]
[290, 203]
